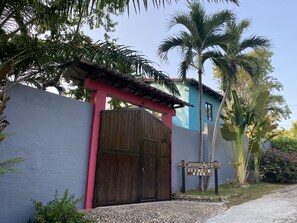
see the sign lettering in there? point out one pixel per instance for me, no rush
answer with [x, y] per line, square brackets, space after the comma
[199, 172]
[200, 165]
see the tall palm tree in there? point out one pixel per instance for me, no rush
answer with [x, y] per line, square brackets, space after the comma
[236, 57]
[202, 32]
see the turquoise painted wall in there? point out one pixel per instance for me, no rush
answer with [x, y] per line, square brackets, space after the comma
[187, 117]
[182, 114]
[194, 111]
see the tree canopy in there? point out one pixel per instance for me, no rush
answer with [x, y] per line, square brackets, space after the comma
[248, 90]
[39, 41]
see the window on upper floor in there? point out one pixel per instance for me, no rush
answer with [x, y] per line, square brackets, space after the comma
[208, 110]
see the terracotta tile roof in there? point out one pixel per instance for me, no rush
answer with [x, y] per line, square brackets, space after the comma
[84, 69]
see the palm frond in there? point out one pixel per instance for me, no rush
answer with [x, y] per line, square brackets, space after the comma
[216, 22]
[44, 62]
[181, 40]
[224, 66]
[237, 29]
[254, 42]
[184, 20]
[124, 59]
[250, 65]
[232, 1]
[220, 40]
[87, 6]
[186, 62]
[8, 165]
[198, 17]
[242, 25]
[211, 54]
[121, 57]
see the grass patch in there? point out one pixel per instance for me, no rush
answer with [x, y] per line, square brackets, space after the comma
[237, 194]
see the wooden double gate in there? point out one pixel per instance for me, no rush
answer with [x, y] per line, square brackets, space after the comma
[133, 163]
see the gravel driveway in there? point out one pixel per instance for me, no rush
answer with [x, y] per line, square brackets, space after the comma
[161, 212]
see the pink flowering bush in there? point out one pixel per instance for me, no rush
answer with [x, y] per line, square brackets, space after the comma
[279, 167]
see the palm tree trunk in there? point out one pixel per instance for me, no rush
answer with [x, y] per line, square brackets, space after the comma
[200, 125]
[215, 132]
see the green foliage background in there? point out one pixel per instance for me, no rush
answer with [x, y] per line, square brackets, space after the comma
[284, 144]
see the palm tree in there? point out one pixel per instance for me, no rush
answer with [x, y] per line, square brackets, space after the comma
[25, 57]
[202, 33]
[26, 19]
[233, 59]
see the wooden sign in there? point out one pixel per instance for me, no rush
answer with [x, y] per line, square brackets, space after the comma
[200, 165]
[199, 172]
[199, 169]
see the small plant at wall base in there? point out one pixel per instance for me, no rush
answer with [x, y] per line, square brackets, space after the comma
[62, 210]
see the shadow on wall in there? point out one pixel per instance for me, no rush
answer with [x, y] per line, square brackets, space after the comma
[185, 147]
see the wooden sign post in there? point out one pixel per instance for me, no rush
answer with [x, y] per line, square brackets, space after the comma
[199, 169]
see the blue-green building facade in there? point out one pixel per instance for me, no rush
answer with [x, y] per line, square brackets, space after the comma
[188, 117]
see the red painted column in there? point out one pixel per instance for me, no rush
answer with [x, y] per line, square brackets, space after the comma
[99, 101]
[167, 120]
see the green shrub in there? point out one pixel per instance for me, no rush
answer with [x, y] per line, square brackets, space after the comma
[279, 167]
[59, 210]
[284, 144]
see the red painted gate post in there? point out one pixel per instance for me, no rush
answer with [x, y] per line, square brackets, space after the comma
[99, 101]
[167, 120]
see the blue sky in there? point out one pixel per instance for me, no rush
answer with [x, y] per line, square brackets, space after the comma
[276, 20]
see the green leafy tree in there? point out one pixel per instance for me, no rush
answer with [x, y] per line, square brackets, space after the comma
[202, 32]
[237, 122]
[292, 132]
[233, 59]
[293, 129]
[248, 89]
[261, 128]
